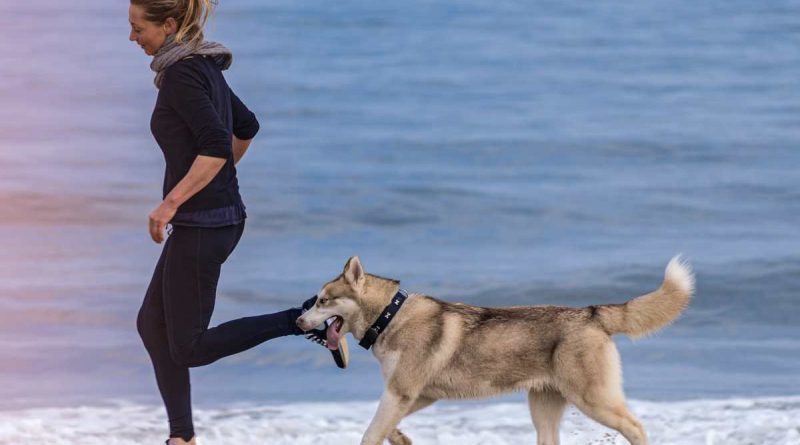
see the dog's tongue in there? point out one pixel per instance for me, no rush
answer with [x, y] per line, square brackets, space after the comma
[333, 336]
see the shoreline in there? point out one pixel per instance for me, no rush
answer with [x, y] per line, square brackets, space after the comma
[725, 421]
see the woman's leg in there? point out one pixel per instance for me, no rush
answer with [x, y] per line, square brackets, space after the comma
[192, 267]
[189, 274]
[172, 379]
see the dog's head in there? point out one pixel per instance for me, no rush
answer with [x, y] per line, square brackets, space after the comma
[337, 299]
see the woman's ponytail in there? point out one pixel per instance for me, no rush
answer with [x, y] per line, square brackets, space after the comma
[194, 20]
[191, 15]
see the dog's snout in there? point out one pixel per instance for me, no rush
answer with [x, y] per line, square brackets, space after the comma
[300, 322]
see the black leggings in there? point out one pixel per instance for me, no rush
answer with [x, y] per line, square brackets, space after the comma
[173, 320]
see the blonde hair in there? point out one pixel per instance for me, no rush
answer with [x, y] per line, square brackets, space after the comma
[191, 16]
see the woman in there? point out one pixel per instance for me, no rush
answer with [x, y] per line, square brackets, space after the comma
[203, 130]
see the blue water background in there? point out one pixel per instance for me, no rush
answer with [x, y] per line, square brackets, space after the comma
[491, 152]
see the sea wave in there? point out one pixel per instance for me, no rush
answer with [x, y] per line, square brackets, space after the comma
[707, 422]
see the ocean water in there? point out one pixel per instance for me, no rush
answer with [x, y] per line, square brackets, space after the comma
[491, 152]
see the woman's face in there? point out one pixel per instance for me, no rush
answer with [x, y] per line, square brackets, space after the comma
[149, 35]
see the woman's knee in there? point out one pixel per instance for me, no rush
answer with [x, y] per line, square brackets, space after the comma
[149, 330]
[182, 355]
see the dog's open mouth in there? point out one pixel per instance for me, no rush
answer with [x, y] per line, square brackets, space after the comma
[334, 332]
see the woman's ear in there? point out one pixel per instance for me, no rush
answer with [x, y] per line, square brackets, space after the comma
[170, 26]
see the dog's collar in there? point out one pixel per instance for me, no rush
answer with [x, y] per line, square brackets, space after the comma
[383, 320]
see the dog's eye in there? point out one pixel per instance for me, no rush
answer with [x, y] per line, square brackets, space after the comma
[324, 300]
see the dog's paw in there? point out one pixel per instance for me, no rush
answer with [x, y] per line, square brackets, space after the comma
[398, 438]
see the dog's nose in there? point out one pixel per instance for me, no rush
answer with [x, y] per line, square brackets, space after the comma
[300, 324]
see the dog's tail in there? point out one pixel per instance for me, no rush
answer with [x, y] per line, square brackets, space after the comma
[652, 311]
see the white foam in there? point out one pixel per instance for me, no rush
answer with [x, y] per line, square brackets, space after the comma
[722, 422]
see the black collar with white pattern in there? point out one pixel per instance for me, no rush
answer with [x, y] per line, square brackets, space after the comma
[383, 320]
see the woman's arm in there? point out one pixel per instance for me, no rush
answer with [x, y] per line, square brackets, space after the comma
[202, 171]
[239, 148]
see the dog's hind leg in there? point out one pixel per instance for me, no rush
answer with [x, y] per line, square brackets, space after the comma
[396, 437]
[599, 394]
[614, 415]
[546, 407]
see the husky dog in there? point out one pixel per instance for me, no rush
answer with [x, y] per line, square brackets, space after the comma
[434, 350]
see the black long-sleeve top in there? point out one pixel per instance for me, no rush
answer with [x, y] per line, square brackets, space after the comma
[196, 113]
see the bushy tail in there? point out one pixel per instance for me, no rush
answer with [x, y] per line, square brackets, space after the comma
[652, 311]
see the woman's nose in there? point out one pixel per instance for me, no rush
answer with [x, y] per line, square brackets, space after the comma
[131, 37]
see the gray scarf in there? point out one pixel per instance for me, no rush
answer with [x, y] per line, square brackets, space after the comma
[172, 51]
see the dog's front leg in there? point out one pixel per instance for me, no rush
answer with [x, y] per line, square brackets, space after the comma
[391, 410]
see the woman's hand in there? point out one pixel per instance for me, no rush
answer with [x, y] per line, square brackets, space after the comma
[203, 170]
[159, 219]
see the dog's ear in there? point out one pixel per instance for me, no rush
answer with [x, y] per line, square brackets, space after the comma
[353, 271]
